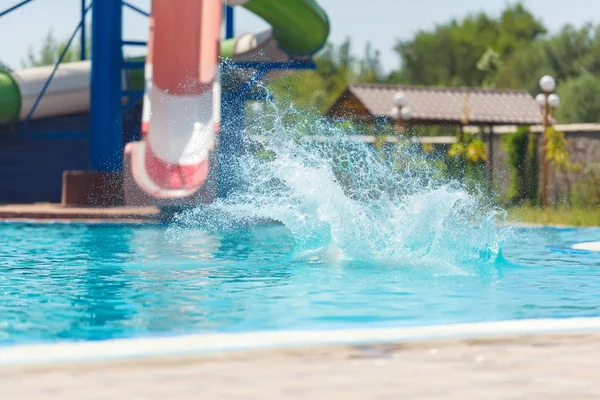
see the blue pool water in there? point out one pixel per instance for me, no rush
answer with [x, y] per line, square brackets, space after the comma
[78, 281]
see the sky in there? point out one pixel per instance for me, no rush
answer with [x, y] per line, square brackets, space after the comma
[382, 22]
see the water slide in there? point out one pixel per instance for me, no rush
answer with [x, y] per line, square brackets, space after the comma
[171, 161]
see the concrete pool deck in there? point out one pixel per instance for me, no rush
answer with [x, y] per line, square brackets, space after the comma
[544, 359]
[50, 212]
[54, 212]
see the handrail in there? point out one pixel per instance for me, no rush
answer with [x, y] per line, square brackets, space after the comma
[136, 9]
[62, 55]
[13, 8]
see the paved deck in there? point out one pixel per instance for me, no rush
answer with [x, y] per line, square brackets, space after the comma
[540, 366]
[56, 212]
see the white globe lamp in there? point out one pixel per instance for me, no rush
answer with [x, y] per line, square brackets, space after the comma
[547, 84]
[399, 99]
[406, 113]
[540, 99]
[554, 100]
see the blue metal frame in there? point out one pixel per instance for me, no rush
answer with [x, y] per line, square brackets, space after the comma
[136, 9]
[106, 142]
[133, 43]
[133, 64]
[48, 135]
[82, 47]
[13, 8]
[134, 96]
[58, 62]
[229, 22]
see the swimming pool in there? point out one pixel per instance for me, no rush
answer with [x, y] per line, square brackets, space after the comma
[100, 281]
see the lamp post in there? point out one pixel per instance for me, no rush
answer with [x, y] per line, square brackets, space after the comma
[400, 112]
[548, 101]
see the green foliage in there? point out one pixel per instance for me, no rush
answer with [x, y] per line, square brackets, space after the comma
[522, 149]
[476, 151]
[557, 153]
[336, 69]
[4, 67]
[517, 158]
[449, 54]
[532, 169]
[489, 63]
[524, 68]
[565, 55]
[579, 99]
[586, 193]
[465, 160]
[561, 215]
[50, 52]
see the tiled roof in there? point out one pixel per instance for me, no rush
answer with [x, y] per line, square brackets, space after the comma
[449, 105]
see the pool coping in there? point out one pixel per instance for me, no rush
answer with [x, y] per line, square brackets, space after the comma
[195, 344]
[141, 215]
[43, 212]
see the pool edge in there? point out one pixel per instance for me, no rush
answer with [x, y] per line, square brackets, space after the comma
[123, 349]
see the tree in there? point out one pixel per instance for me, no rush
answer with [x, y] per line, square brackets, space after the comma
[579, 99]
[518, 29]
[524, 68]
[318, 88]
[565, 55]
[4, 67]
[50, 52]
[449, 54]
[369, 67]
[336, 68]
[489, 63]
[568, 52]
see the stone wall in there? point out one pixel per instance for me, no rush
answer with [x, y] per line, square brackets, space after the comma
[501, 167]
[584, 149]
[583, 145]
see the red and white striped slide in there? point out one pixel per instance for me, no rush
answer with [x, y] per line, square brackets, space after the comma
[181, 110]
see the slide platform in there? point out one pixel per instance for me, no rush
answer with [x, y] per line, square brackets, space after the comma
[181, 109]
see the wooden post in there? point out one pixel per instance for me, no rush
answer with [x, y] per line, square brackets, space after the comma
[461, 139]
[544, 154]
[490, 163]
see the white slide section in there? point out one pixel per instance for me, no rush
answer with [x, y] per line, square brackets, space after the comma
[67, 93]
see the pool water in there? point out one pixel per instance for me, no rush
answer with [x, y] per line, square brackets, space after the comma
[90, 282]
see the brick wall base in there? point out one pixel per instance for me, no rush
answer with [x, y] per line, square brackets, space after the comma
[92, 189]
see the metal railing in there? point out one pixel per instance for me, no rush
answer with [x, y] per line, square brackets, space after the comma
[56, 65]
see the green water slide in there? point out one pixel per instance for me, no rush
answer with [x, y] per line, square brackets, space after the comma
[299, 29]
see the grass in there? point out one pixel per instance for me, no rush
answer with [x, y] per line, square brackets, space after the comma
[559, 215]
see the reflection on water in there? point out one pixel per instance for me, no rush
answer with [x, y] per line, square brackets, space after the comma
[101, 286]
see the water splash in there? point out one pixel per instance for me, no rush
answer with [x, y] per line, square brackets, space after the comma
[343, 198]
